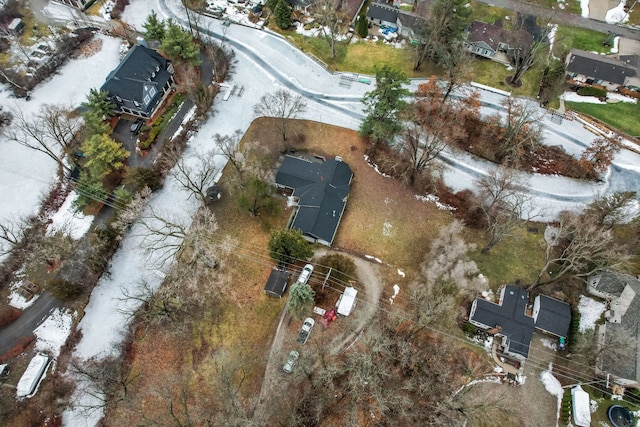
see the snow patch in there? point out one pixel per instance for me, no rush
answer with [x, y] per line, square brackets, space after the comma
[53, 332]
[396, 290]
[617, 15]
[372, 258]
[386, 229]
[401, 273]
[553, 386]
[375, 167]
[590, 312]
[584, 7]
[18, 301]
[67, 221]
[549, 343]
[621, 98]
[574, 97]
[435, 199]
[552, 34]
[616, 44]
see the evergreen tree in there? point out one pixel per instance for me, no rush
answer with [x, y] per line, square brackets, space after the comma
[178, 44]
[283, 15]
[155, 28]
[384, 104]
[258, 196]
[288, 246]
[95, 123]
[89, 188]
[104, 155]
[98, 103]
[300, 300]
[362, 26]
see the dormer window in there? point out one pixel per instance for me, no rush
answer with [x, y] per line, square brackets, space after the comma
[136, 103]
[118, 99]
[153, 75]
[157, 68]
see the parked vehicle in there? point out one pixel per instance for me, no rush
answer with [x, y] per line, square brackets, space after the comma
[32, 375]
[137, 126]
[291, 361]
[305, 331]
[305, 274]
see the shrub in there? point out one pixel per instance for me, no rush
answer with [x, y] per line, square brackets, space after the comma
[342, 267]
[138, 178]
[65, 291]
[592, 91]
[8, 314]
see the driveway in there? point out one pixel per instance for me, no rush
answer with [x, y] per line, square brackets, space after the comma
[275, 381]
[24, 325]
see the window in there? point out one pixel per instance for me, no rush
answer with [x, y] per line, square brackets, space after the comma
[152, 92]
[147, 99]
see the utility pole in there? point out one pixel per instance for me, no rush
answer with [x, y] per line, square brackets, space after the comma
[326, 278]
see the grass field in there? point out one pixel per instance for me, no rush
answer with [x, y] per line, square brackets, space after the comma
[492, 73]
[487, 13]
[579, 38]
[622, 115]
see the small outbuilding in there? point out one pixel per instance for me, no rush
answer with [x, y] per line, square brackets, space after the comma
[32, 375]
[347, 301]
[580, 407]
[277, 283]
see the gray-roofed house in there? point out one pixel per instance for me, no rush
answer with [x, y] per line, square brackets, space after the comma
[622, 328]
[383, 14]
[608, 71]
[321, 188]
[485, 39]
[140, 82]
[552, 316]
[509, 319]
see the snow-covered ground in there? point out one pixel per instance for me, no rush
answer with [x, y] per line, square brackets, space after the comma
[584, 7]
[26, 175]
[590, 312]
[69, 222]
[617, 15]
[53, 332]
[553, 386]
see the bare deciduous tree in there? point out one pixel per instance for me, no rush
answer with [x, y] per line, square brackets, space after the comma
[283, 105]
[579, 249]
[52, 131]
[197, 172]
[333, 19]
[521, 130]
[611, 210]
[601, 152]
[504, 202]
[525, 50]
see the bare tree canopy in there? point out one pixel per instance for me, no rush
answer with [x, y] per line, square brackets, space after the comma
[611, 210]
[332, 20]
[504, 202]
[283, 105]
[579, 248]
[52, 131]
[197, 172]
[521, 130]
[526, 43]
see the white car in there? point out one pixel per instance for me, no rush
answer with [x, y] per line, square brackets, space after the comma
[291, 361]
[305, 274]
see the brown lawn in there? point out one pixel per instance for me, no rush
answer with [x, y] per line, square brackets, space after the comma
[233, 329]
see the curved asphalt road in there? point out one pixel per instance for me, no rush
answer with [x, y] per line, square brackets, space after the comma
[29, 320]
[277, 57]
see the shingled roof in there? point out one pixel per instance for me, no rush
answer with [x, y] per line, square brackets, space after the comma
[600, 67]
[322, 189]
[142, 72]
[553, 316]
[491, 34]
[509, 315]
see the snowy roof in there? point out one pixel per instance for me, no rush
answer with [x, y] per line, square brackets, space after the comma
[599, 67]
[32, 375]
[580, 407]
[322, 188]
[554, 316]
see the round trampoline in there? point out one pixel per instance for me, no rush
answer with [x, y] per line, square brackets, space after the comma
[620, 416]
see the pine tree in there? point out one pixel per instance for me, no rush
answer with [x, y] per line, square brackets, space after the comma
[104, 155]
[98, 103]
[384, 104]
[300, 299]
[155, 28]
[283, 15]
[178, 44]
[289, 246]
[88, 188]
[362, 26]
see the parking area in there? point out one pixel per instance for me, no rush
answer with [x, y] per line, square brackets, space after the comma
[122, 133]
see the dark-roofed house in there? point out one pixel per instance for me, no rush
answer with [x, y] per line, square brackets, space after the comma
[622, 328]
[509, 317]
[383, 14]
[509, 320]
[552, 316]
[277, 283]
[321, 188]
[608, 71]
[140, 83]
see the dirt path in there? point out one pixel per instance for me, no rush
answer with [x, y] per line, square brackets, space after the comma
[275, 381]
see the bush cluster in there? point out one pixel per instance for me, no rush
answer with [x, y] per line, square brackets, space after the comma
[592, 91]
